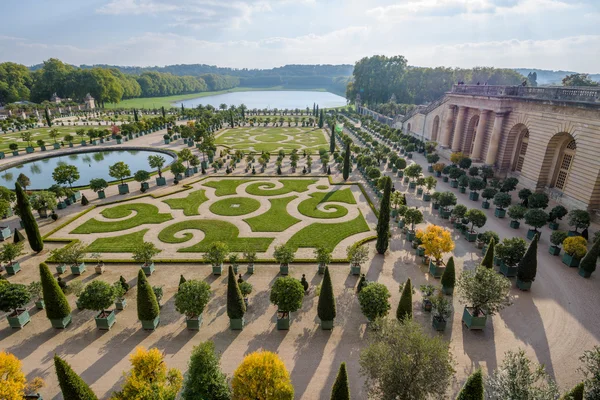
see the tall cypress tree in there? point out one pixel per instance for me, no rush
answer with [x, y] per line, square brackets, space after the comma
[57, 306]
[488, 259]
[326, 306]
[449, 276]
[135, 115]
[317, 111]
[236, 308]
[527, 267]
[332, 137]
[71, 384]
[163, 112]
[404, 310]
[31, 227]
[588, 262]
[473, 388]
[340, 390]
[47, 115]
[314, 109]
[321, 119]
[147, 305]
[383, 222]
[182, 109]
[574, 394]
[346, 170]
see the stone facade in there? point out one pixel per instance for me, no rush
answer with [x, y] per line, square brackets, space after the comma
[547, 137]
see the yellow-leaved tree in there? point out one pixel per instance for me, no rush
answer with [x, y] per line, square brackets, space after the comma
[13, 384]
[436, 241]
[149, 378]
[262, 376]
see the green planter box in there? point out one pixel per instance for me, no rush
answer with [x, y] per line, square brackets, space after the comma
[420, 251]
[462, 190]
[474, 196]
[531, 233]
[40, 305]
[124, 188]
[523, 285]
[19, 320]
[472, 322]
[61, 323]
[119, 141]
[485, 205]
[412, 185]
[61, 269]
[13, 268]
[419, 191]
[327, 325]
[194, 323]
[284, 269]
[56, 146]
[515, 224]
[445, 214]
[43, 148]
[497, 261]
[500, 212]
[430, 168]
[29, 150]
[236, 324]
[321, 269]
[438, 324]
[410, 236]
[161, 181]
[61, 205]
[101, 194]
[148, 269]
[150, 325]
[121, 304]
[354, 269]
[409, 155]
[15, 153]
[78, 269]
[453, 184]
[394, 212]
[400, 174]
[106, 322]
[145, 186]
[436, 270]
[217, 269]
[553, 226]
[554, 250]
[448, 290]
[401, 223]
[283, 321]
[250, 269]
[435, 206]
[573, 233]
[426, 197]
[445, 179]
[508, 271]
[584, 273]
[471, 236]
[570, 261]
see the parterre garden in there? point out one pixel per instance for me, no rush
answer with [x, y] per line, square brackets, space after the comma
[259, 139]
[253, 213]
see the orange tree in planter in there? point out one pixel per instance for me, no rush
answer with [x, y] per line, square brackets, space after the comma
[436, 241]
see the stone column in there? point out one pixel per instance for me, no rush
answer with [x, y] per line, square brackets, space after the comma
[448, 127]
[459, 128]
[492, 152]
[484, 116]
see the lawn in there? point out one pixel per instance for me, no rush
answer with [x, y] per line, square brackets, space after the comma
[271, 139]
[118, 244]
[188, 204]
[144, 214]
[234, 206]
[309, 207]
[37, 134]
[225, 187]
[289, 185]
[327, 235]
[277, 219]
[214, 231]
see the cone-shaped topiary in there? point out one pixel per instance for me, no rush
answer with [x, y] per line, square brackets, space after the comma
[488, 259]
[18, 236]
[147, 305]
[588, 262]
[71, 384]
[182, 280]
[527, 267]
[361, 283]
[383, 222]
[326, 307]
[346, 170]
[236, 308]
[404, 310]
[84, 200]
[57, 306]
[31, 227]
[574, 394]
[332, 138]
[473, 388]
[340, 390]
[449, 275]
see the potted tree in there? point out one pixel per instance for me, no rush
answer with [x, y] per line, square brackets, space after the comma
[236, 307]
[454, 174]
[556, 238]
[58, 256]
[527, 268]
[144, 253]
[287, 294]
[323, 257]
[413, 171]
[245, 289]
[177, 168]
[412, 216]
[457, 215]
[9, 252]
[148, 310]
[216, 255]
[438, 168]
[436, 241]
[475, 185]
[427, 291]
[13, 297]
[142, 177]
[477, 219]
[43, 201]
[588, 264]
[250, 256]
[488, 194]
[326, 307]
[190, 300]
[449, 278]
[284, 255]
[516, 213]
[120, 291]
[485, 293]
[536, 218]
[578, 219]
[356, 256]
[484, 238]
[99, 296]
[157, 162]
[463, 183]
[575, 248]
[557, 213]
[35, 290]
[510, 252]
[374, 300]
[57, 306]
[430, 184]
[73, 256]
[120, 171]
[501, 201]
[441, 309]
[435, 200]
[446, 200]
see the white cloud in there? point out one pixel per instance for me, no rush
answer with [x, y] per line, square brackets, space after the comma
[135, 7]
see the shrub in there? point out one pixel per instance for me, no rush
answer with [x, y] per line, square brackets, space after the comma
[516, 212]
[502, 200]
[538, 200]
[473, 388]
[459, 211]
[357, 254]
[579, 219]
[558, 237]
[97, 296]
[204, 379]
[447, 199]
[574, 394]
[287, 294]
[57, 306]
[477, 218]
[527, 267]
[536, 218]
[404, 310]
[326, 307]
[488, 193]
[13, 296]
[283, 254]
[373, 300]
[71, 384]
[259, 373]
[383, 222]
[216, 254]
[557, 212]
[510, 251]
[488, 259]
[591, 372]
[236, 308]
[144, 253]
[484, 290]
[436, 241]
[449, 276]
[524, 196]
[340, 390]
[192, 297]
[98, 184]
[476, 184]
[575, 246]
[509, 184]
[588, 262]
[31, 228]
[147, 305]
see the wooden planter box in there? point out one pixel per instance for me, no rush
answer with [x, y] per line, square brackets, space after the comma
[472, 322]
[412, 185]
[193, 324]
[427, 197]
[123, 189]
[531, 233]
[78, 269]
[474, 196]
[40, 305]
[470, 236]
[101, 194]
[161, 181]
[284, 269]
[438, 324]
[500, 212]
[121, 304]
[523, 285]
[401, 223]
[453, 184]
[250, 269]
[445, 214]
[148, 269]
[508, 271]
[584, 273]
[436, 270]
[554, 250]
[18, 319]
[145, 186]
[355, 269]
[150, 325]
[61, 323]
[321, 269]
[435, 206]
[13, 268]
[61, 269]
[485, 204]
[515, 224]
[326, 325]
[105, 322]
[462, 189]
[217, 269]
[283, 321]
[5, 233]
[420, 251]
[236, 324]
[570, 261]
[448, 290]
[410, 236]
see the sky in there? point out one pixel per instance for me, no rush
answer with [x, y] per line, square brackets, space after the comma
[545, 34]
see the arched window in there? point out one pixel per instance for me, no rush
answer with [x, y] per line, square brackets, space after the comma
[522, 152]
[565, 163]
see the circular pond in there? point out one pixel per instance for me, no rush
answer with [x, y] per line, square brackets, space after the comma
[91, 165]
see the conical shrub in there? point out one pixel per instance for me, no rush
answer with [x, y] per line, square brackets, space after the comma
[449, 276]
[404, 310]
[57, 306]
[473, 388]
[71, 384]
[236, 308]
[346, 169]
[488, 259]
[182, 280]
[326, 306]
[588, 262]
[29, 223]
[147, 305]
[340, 390]
[527, 268]
[574, 394]
[383, 221]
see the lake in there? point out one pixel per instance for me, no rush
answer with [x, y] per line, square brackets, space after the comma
[269, 99]
[90, 165]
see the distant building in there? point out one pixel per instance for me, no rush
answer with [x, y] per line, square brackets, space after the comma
[55, 99]
[89, 102]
